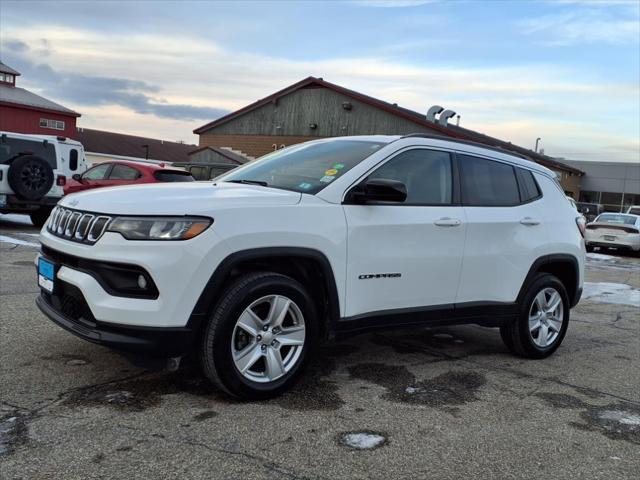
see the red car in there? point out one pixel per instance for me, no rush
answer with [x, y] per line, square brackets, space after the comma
[111, 174]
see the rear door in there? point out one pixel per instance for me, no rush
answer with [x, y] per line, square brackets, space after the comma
[407, 255]
[505, 230]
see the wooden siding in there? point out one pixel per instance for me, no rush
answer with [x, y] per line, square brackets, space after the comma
[292, 114]
[252, 145]
[210, 156]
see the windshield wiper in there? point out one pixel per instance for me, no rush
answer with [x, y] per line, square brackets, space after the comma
[250, 182]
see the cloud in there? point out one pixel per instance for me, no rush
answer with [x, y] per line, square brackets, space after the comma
[585, 26]
[155, 85]
[91, 90]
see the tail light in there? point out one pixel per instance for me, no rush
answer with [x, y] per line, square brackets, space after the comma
[61, 181]
[581, 224]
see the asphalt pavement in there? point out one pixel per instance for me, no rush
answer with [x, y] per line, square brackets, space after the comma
[444, 403]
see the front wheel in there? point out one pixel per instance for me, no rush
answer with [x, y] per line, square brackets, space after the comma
[260, 336]
[543, 319]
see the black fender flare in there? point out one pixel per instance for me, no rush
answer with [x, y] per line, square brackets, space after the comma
[215, 285]
[539, 264]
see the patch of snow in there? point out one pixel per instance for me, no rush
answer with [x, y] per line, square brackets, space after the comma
[118, 397]
[363, 440]
[621, 416]
[605, 292]
[16, 241]
[16, 218]
[601, 257]
[412, 390]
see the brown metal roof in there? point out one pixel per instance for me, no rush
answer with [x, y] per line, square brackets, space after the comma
[418, 118]
[111, 143]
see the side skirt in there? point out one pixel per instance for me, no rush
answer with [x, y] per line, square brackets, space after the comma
[487, 314]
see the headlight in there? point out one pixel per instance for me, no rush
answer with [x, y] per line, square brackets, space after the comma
[159, 228]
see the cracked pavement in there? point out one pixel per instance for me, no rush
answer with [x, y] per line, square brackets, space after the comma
[450, 402]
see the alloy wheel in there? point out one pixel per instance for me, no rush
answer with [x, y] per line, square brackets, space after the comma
[546, 316]
[268, 338]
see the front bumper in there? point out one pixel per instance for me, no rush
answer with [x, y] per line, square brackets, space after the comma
[162, 342]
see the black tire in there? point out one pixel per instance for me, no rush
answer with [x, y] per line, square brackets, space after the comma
[30, 177]
[517, 336]
[215, 352]
[39, 218]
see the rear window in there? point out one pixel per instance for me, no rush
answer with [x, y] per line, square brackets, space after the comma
[173, 176]
[615, 218]
[11, 148]
[488, 183]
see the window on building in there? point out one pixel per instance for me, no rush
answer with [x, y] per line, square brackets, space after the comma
[53, 124]
[425, 173]
[630, 199]
[8, 78]
[611, 201]
[488, 183]
[587, 196]
[123, 172]
[2, 77]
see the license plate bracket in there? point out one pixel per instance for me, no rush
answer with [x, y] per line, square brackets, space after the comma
[46, 274]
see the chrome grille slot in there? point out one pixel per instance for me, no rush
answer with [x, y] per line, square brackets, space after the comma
[97, 228]
[77, 226]
[83, 226]
[72, 224]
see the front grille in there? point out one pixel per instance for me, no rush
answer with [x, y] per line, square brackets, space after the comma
[77, 226]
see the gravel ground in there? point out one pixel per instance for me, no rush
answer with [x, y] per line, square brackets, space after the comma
[444, 403]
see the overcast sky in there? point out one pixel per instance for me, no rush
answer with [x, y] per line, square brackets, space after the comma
[566, 70]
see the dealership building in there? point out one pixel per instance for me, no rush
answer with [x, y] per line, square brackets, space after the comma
[314, 108]
[615, 185]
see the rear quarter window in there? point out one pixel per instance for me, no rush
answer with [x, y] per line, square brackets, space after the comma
[173, 176]
[529, 189]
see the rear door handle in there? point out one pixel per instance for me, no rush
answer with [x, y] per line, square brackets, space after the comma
[528, 221]
[447, 222]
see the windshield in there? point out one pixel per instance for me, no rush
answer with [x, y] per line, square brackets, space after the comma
[614, 218]
[307, 167]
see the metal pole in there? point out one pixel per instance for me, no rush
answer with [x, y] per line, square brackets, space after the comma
[537, 140]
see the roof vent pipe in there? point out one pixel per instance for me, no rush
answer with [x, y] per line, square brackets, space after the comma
[444, 117]
[432, 112]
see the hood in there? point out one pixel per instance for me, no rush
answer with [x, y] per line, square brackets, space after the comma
[180, 198]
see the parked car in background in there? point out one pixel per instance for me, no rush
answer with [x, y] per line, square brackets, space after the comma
[33, 171]
[112, 174]
[336, 235]
[207, 171]
[614, 230]
[634, 209]
[590, 210]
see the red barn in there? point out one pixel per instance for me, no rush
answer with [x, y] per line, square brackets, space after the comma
[22, 111]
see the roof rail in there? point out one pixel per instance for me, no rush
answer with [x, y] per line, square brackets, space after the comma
[468, 142]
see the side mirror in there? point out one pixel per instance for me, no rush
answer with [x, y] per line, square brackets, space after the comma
[379, 190]
[77, 177]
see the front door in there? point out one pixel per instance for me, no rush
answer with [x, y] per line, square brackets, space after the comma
[406, 255]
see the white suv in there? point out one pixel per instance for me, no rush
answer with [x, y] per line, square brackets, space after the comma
[33, 170]
[337, 235]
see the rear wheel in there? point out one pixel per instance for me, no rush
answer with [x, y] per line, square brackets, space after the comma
[260, 336]
[543, 319]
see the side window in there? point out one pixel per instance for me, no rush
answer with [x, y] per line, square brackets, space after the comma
[73, 160]
[529, 189]
[97, 173]
[487, 183]
[123, 172]
[426, 174]
[199, 173]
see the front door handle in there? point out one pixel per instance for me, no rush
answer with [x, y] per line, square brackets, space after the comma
[528, 221]
[447, 222]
